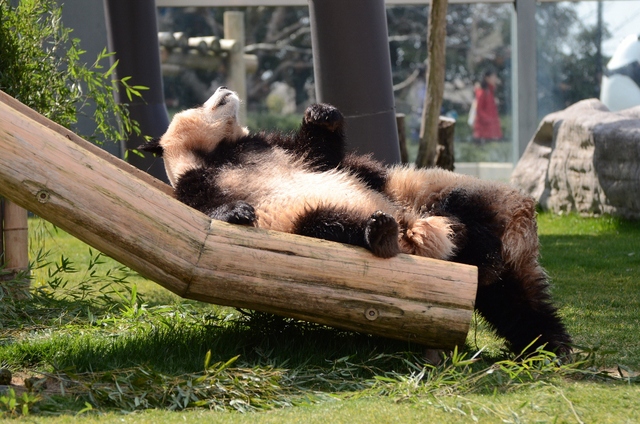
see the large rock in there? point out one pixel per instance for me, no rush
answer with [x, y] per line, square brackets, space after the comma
[584, 159]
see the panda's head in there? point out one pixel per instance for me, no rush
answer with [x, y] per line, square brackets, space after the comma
[196, 131]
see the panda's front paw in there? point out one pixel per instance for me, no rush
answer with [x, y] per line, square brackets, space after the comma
[238, 212]
[323, 115]
[381, 235]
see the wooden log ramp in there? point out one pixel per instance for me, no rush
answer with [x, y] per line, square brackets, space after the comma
[133, 218]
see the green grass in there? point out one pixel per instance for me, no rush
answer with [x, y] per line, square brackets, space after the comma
[98, 339]
[595, 267]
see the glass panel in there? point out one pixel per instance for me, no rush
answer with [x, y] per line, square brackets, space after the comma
[278, 88]
[478, 43]
[575, 43]
[478, 40]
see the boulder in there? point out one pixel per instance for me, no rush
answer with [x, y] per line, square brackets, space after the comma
[584, 159]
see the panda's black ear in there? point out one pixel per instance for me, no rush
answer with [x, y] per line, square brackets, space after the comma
[152, 146]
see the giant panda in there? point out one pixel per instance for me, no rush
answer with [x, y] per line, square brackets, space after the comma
[286, 182]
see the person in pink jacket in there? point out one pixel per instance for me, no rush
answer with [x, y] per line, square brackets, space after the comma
[486, 126]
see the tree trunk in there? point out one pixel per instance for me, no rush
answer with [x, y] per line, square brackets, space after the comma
[435, 84]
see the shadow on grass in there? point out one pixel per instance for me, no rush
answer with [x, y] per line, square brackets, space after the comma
[259, 340]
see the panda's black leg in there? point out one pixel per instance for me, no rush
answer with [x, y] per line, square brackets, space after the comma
[378, 233]
[477, 240]
[520, 310]
[238, 212]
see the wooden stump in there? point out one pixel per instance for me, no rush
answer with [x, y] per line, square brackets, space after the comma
[444, 153]
[16, 238]
[402, 137]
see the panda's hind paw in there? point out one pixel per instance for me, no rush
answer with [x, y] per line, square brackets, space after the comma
[381, 235]
[323, 115]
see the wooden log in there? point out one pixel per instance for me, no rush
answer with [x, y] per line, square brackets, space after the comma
[211, 43]
[181, 40]
[167, 40]
[198, 44]
[15, 232]
[191, 60]
[104, 204]
[16, 251]
[175, 62]
[32, 115]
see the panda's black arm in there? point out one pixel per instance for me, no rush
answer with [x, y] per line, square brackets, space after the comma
[319, 140]
[197, 188]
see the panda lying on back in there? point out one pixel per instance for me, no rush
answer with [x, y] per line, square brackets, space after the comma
[305, 184]
[282, 182]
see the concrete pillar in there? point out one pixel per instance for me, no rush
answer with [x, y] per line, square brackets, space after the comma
[524, 80]
[87, 19]
[352, 69]
[133, 36]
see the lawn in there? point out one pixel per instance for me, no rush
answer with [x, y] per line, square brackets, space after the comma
[99, 343]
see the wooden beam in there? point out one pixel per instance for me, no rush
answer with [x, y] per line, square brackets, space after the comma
[524, 80]
[237, 75]
[135, 222]
[32, 115]
[1, 230]
[16, 238]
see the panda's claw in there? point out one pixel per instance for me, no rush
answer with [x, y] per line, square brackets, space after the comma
[324, 115]
[238, 212]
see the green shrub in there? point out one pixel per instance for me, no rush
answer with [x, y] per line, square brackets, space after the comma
[40, 65]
